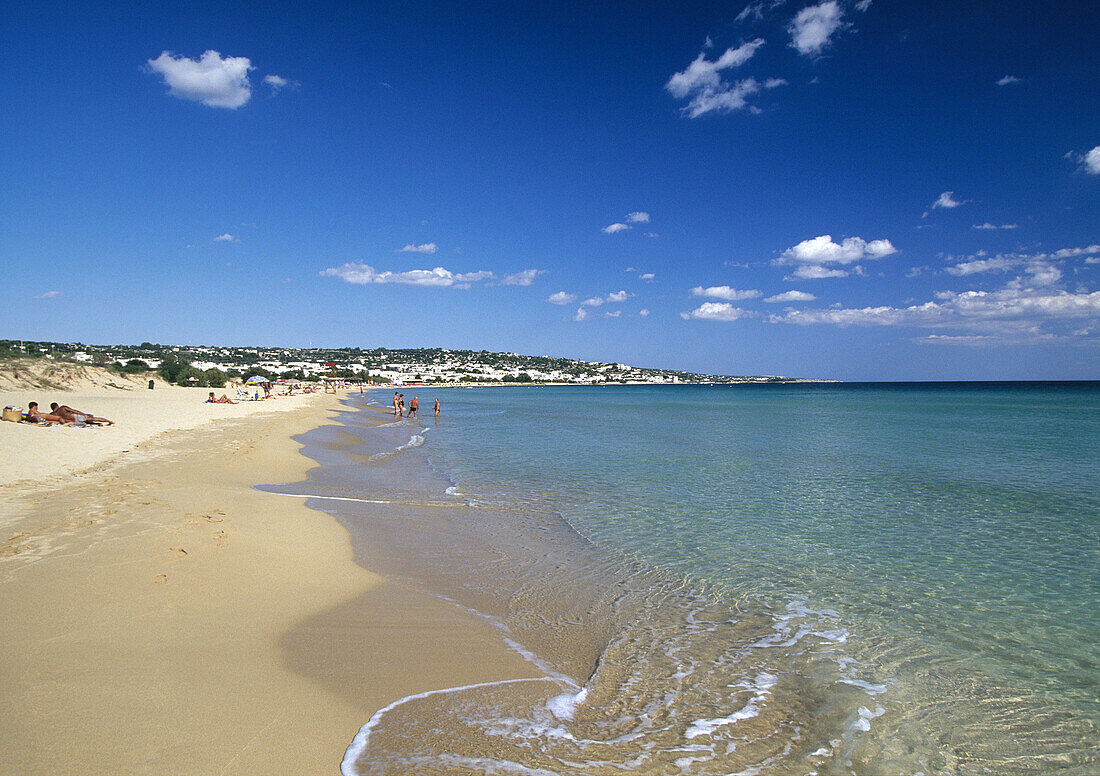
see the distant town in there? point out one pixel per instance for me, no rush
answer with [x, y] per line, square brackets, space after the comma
[214, 365]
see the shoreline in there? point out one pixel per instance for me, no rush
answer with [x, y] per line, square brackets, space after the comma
[170, 617]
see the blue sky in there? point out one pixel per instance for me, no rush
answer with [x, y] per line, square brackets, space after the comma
[850, 190]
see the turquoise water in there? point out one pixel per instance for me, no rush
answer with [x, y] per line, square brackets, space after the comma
[892, 578]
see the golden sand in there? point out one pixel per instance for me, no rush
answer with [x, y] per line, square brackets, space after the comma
[161, 616]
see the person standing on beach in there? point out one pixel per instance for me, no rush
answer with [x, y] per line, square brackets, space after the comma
[414, 405]
[395, 403]
[400, 405]
[437, 408]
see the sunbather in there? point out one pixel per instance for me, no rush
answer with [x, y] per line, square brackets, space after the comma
[223, 400]
[34, 416]
[69, 415]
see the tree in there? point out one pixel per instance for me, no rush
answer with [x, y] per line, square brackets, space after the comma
[171, 367]
[214, 377]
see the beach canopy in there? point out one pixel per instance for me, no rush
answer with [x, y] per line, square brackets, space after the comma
[257, 379]
[192, 379]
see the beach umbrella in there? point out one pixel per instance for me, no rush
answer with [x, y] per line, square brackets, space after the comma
[256, 379]
[192, 379]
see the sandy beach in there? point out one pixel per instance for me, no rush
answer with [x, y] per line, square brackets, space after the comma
[161, 616]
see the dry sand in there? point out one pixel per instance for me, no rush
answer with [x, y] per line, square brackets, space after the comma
[160, 616]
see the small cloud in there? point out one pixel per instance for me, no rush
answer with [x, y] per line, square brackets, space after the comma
[701, 82]
[524, 278]
[772, 83]
[613, 314]
[226, 238]
[363, 274]
[863, 5]
[423, 248]
[643, 313]
[822, 250]
[49, 295]
[580, 315]
[1090, 161]
[725, 292]
[640, 217]
[646, 276]
[613, 228]
[812, 27]
[1008, 80]
[278, 83]
[716, 311]
[791, 296]
[618, 296]
[211, 80]
[653, 235]
[561, 298]
[947, 200]
[988, 226]
[592, 301]
[815, 272]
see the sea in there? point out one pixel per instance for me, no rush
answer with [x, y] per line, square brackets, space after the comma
[818, 578]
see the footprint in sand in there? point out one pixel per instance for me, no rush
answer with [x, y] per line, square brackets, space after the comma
[160, 579]
[220, 537]
[178, 550]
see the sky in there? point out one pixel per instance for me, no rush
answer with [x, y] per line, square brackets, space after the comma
[854, 190]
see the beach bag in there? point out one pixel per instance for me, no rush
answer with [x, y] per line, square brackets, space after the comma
[14, 414]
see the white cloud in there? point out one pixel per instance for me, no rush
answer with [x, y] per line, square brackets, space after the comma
[613, 228]
[561, 297]
[725, 292]
[947, 200]
[643, 313]
[226, 238]
[822, 250]
[815, 272]
[1066, 253]
[702, 83]
[49, 295]
[654, 235]
[592, 301]
[423, 248]
[704, 74]
[1007, 80]
[524, 278]
[1038, 265]
[863, 5]
[581, 314]
[772, 83]
[1027, 308]
[975, 266]
[757, 10]
[1092, 161]
[618, 296]
[211, 80]
[812, 27]
[646, 276]
[791, 296]
[363, 274]
[640, 217]
[987, 226]
[278, 83]
[613, 314]
[716, 311]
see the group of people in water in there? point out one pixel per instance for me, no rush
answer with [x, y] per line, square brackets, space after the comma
[64, 415]
[414, 406]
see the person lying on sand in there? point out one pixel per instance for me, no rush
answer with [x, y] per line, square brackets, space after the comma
[223, 400]
[34, 416]
[69, 415]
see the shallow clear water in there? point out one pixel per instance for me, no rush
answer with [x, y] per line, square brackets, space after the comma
[756, 579]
